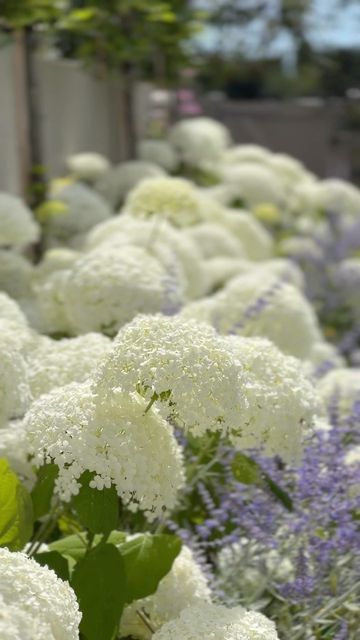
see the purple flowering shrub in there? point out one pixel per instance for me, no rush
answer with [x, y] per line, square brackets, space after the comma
[296, 559]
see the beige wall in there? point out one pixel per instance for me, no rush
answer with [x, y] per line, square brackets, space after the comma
[78, 113]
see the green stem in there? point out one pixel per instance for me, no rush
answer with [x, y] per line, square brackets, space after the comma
[44, 531]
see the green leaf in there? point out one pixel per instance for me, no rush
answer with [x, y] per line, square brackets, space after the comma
[245, 470]
[148, 558]
[55, 561]
[97, 510]
[16, 513]
[42, 493]
[100, 585]
[75, 546]
[279, 493]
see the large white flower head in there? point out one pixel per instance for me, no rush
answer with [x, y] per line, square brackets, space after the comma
[10, 310]
[214, 240]
[14, 383]
[34, 603]
[88, 166]
[49, 313]
[160, 239]
[340, 390]
[159, 152]
[221, 270]
[106, 288]
[281, 401]
[256, 304]
[346, 277]
[56, 259]
[116, 183]
[175, 199]
[184, 365]
[254, 184]
[200, 140]
[15, 274]
[185, 585]
[17, 225]
[217, 622]
[55, 363]
[116, 438]
[288, 169]
[338, 196]
[255, 239]
[84, 209]
[323, 358]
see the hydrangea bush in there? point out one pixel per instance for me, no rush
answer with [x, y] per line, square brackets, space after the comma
[180, 398]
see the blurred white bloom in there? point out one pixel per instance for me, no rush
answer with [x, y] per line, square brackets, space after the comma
[17, 225]
[254, 184]
[247, 153]
[323, 357]
[159, 152]
[87, 166]
[175, 199]
[49, 313]
[113, 437]
[353, 456]
[15, 274]
[287, 168]
[14, 447]
[215, 240]
[199, 140]
[10, 310]
[34, 603]
[14, 383]
[84, 209]
[221, 270]
[259, 304]
[346, 276]
[217, 622]
[183, 586]
[338, 196]
[106, 288]
[116, 183]
[340, 390]
[254, 238]
[55, 363]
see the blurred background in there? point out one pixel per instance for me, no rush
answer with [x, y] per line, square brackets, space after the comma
[86, 75]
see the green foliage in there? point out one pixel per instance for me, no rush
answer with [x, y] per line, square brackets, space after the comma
[148, 558]
[99, 582]
[16, 514]
[247, 471]
[55, 561]
[43, 490]
[23, 13]
[97, 511]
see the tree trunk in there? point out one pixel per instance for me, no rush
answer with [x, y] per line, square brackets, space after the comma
[128, 108]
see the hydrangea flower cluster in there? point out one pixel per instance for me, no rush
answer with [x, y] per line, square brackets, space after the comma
[34, 603]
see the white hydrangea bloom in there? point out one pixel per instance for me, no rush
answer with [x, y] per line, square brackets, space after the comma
[346, 276]
[287, 168]
[88, 166]
[323, 357]
[14, 447]
[282, 402]
[15, 274]
[215, 240]
[14, 383]
[183, 586]
[84, 209]
[10, 310]
[175, 199]
[254, 184]
[34, 603]
[247, 153]
[55, 363]
[185, 364]
[221, 270]
[255, 239]
[257, 304]
[116, 183]
[301, 247]
[159, 152]
[56, 259]
[156, 235]
[353, 456]
[338, 196]
[199, 140]
[49, 313]
[17, 224]
[113, 437]
[106, 288]
[217, 622]
[340, 390]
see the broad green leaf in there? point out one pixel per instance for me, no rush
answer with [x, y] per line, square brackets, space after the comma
[55, 561]
[245, 470]
[148, 558]
[16, 513]
[97, 510]
[42, 493]
[75, 546]
[100, 585]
